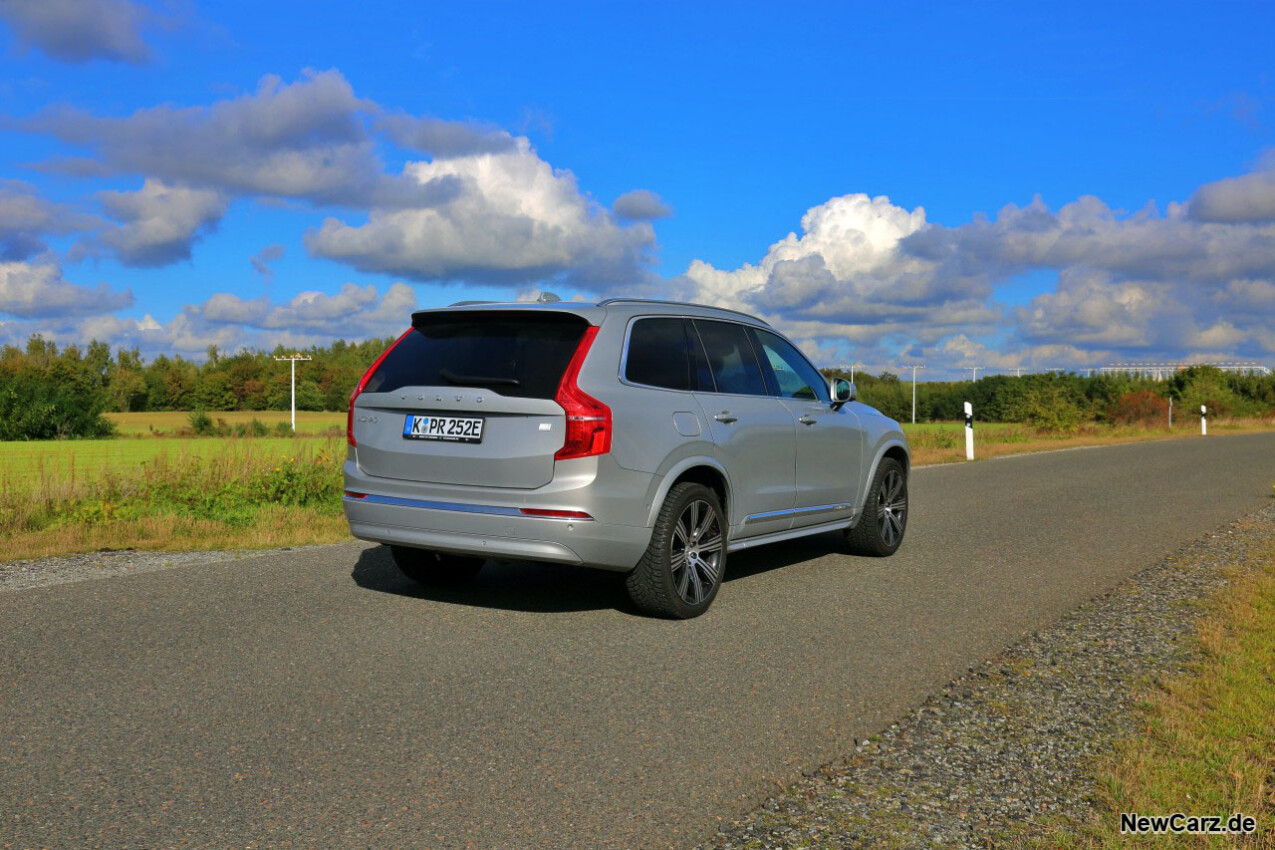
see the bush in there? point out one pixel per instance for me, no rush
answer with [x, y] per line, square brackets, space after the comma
[33, 407]
[200, 422]
[1141, 407]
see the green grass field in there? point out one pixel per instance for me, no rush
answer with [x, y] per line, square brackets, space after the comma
[26, 463]
[167, 423]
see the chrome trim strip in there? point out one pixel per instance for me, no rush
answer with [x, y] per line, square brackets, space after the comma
[434, 506]
[790, 534]
[795, 512]
[496, 510]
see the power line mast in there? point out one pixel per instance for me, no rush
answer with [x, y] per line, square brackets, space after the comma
[914, 367]
[293, 359]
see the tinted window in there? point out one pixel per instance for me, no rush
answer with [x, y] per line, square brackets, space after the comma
[794, 376]
[730, 358]
[512, 353]
[657, 354]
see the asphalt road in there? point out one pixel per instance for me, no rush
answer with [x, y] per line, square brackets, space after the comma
[317, 698]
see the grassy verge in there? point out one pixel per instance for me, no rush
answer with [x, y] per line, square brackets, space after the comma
[1207, 745]
[248, 493]
[1204, 748]
[944, 442]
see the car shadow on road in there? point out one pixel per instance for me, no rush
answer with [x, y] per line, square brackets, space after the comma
[557, 588]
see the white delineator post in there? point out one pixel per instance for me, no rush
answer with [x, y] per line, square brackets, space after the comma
[969, 431]
[1170, 413]
[1204, 421]
[293, 358]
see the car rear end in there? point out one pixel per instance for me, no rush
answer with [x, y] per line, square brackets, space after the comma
[472, 435]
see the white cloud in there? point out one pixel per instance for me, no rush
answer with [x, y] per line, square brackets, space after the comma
[79, 31]
[1249, 197]
[37, 290]
[231, 323]
[161, 222]
[512, 218]
[641, 205]
[25, 218]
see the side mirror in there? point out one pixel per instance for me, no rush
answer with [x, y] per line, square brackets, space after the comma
[842, 391]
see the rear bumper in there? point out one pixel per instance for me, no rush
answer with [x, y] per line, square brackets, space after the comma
[476, 521]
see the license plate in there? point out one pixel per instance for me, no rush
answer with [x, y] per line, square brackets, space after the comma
[451, 429]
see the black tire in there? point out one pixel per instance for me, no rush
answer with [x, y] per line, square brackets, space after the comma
[426, 566]
[681, 571]
[885, 516]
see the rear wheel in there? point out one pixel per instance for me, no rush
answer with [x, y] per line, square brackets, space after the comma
[681, 571]
[885, 516]
[435, 568]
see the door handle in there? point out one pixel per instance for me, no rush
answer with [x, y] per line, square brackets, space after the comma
[725, 417]
[806, 419]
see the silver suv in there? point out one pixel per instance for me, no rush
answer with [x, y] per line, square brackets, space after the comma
[645, 437]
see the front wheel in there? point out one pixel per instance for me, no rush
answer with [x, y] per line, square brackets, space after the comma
[885, 516]
[681, 570]
[435, 568]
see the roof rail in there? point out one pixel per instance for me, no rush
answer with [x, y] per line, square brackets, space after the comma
[680, 304]
[470, 303]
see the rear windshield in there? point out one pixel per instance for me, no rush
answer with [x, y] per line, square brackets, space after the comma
[520, 354]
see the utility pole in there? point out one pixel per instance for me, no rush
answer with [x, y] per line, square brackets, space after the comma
[854, 366]
[975, 370]
[915, 366]
[293, 358]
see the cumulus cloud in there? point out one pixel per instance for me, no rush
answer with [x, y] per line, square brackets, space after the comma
[1249, 197]
[232, 323]
[160, 222]
[444, 139]
[641, 205]
[359, 308]
[846, 267]
[26, 218]
[483, 207]
[79, 31]
[881, 284]
[305, 140]
[512, 218]
[37, 290]
[262, 260]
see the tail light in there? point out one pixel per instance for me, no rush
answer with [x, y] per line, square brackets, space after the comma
[358, 388]
[588, 420]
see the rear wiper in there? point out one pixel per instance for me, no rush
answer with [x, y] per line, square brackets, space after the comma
[476, 380]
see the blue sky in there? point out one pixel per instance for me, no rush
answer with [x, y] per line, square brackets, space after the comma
[1005, 185]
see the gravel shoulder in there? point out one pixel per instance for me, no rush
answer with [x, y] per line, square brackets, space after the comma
[1006, 750]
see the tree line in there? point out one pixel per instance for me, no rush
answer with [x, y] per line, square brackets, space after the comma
[48, 392]
[1064, 400]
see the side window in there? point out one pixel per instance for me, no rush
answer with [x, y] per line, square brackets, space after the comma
[657, 354]
[794, 375]
[730, 358]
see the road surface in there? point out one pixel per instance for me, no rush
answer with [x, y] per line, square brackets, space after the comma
[317, 698]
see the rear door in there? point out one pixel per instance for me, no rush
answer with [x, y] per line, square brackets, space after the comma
[467, 397]
[752, 430]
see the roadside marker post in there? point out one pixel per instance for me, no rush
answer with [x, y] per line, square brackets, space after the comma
[969, 431]
[1204, 421]
[1170, 413]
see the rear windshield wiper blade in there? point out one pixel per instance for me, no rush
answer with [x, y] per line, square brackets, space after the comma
[477, 380]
